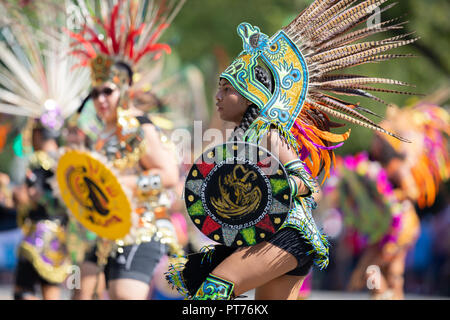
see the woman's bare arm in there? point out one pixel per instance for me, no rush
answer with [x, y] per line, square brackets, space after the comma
[285, 155]
[158, 159]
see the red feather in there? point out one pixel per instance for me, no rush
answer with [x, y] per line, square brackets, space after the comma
[96, 40]
[130, 40]
[158, 31]
[90, 51]
[80, 53]
[79, 65]
[112, 27]
[152, 48]
[122, 34]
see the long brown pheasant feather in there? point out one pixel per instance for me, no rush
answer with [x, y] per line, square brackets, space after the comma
[332, 36]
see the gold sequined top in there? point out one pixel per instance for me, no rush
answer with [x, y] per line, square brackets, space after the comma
[124, 147]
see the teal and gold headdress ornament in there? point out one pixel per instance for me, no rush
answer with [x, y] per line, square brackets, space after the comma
[302, 59]
[285, 62]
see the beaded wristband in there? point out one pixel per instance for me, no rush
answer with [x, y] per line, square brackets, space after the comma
[293, 185]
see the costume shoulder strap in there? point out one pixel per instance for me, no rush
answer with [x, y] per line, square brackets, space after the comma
[144, 120]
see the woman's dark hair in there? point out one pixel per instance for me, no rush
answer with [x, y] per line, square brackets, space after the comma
[43, 132]
[83, 103]
[123, 65]
[252, 112]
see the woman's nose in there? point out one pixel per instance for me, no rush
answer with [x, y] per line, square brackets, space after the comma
[101, 97]
[218, 96]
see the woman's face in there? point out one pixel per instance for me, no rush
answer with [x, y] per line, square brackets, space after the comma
[106, 98]
[74, 136]
[230, 103]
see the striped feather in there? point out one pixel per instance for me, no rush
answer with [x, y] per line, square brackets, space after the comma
[345, 108]
[346, 38]
[325, 16]
[361, 80]
[347, 18]
[368, 111]
[344, 28]
[335, 99]
[386, 90]
[354, 92]
[307, 15]
[358, 59]
[370, 48]
[357, 122]
[332, 77]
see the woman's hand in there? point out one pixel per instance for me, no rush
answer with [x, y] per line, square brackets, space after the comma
[158, 159]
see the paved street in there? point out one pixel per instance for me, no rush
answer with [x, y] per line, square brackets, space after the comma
[5, 294]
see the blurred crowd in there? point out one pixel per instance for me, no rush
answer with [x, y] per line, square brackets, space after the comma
[426, 259]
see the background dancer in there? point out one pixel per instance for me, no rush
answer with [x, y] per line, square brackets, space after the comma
[36, 83]
[131, 145]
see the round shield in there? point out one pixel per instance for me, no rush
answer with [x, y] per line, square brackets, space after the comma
[93, 195]
[44, 246]
[237, 194]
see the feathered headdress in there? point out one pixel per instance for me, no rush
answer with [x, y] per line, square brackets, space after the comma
[302, 59]
[125, 31]
[36, 78]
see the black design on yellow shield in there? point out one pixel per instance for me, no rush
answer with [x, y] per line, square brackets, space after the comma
[93, 195]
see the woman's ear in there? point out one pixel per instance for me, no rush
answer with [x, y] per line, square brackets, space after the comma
[248, 102]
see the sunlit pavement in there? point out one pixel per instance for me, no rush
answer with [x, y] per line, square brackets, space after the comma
[340, 295]
[6, 294]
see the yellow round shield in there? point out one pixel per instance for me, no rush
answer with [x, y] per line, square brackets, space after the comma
[93, 195]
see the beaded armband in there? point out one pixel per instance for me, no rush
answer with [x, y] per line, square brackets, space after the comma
[297, 168]
[293, 185]
[215, 288]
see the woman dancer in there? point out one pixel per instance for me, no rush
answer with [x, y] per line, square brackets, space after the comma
[133, 147]
[275, 89]
[36, 82]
